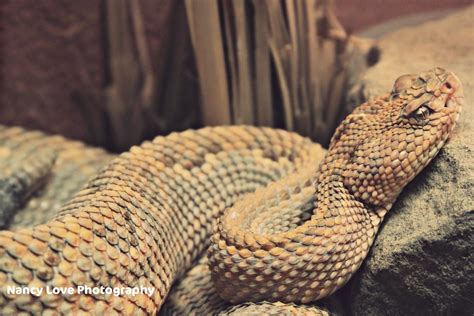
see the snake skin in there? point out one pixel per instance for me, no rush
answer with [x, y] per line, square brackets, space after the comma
[23, 169]
[46, 169]
[293, 230]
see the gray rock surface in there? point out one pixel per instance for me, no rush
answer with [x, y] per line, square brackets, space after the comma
[422, 262]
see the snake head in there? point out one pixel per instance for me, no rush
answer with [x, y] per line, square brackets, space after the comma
[395, 137]
[426, 93]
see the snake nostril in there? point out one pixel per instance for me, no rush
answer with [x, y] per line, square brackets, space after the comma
[447, 103]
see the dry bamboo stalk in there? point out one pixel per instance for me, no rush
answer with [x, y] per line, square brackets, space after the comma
[334, 98]
[231, 58]
[170, 112]
[263, 92]
[299, 43]
[279, 46]
[303, 78]
[147, 93]
[204, 25]
[314, 60]
[277, 26]
[121, 94]
[293, 74]
[283, 86]
[337, 36]
[161, 90]
[244, 60]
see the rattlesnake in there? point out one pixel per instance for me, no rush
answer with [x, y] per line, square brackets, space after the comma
[147, 216]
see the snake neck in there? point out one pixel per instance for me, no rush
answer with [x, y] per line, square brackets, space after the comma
[315, 257]
[335, 192]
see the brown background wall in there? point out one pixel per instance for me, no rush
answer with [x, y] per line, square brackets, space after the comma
[54, 65]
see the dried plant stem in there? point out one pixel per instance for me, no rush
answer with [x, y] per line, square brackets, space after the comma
[289, 59]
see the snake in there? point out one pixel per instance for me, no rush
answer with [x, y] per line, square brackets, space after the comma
[220, 220]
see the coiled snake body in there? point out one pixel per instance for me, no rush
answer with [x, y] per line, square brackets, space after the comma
[147, 216]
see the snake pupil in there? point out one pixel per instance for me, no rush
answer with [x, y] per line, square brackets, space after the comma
[423, 112]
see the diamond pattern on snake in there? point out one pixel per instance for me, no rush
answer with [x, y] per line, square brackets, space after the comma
[281, 222]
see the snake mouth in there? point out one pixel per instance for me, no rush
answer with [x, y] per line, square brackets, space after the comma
[454, 101]
[454, 89]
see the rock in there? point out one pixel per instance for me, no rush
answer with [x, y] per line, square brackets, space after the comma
[422, 261]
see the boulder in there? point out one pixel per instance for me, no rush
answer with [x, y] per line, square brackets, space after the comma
[422, 262]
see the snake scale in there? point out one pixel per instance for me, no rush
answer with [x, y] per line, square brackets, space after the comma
[284, 224]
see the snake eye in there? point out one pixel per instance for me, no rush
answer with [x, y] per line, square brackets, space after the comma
[422, 113]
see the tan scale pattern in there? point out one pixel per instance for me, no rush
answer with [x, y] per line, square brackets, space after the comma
[195, 295]
[146, 217]
[23, 170]
[59, 166]
[375, 152]
[274, 309]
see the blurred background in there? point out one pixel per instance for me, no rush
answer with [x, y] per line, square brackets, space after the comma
[114, 72]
